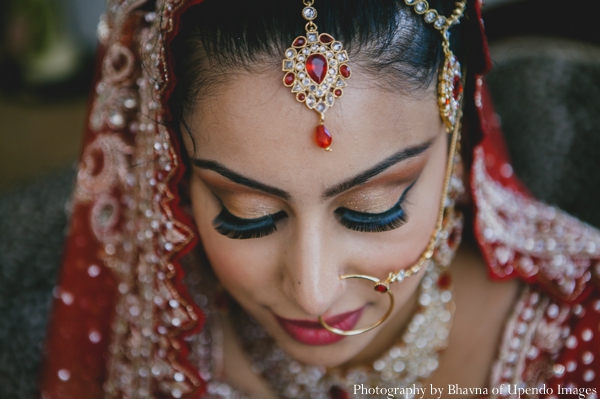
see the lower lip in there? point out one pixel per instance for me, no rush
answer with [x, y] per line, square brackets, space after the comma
[313, 333]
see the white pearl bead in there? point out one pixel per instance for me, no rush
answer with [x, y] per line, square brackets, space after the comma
[571, 342]
[587, 335]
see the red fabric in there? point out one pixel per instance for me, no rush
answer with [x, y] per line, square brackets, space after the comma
[588, 323]
[79, 330]
[84, 305]
[577, 363]
[494, 145]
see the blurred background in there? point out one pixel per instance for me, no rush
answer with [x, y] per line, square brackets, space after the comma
[46, 61]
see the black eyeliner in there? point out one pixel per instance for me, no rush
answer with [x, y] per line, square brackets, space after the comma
[375, 222]
[234, 227]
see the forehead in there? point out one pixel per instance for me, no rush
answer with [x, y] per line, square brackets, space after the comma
[253, 124]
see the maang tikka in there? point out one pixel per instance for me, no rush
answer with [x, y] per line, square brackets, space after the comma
[316, 68]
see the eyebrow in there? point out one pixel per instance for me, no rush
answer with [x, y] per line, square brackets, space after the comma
[387, 163]
[346, 185]
[240, 179]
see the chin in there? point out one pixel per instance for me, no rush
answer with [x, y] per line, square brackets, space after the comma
[330, 356]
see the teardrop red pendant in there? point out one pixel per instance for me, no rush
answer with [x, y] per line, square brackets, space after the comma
[316, 68]
[323, 137]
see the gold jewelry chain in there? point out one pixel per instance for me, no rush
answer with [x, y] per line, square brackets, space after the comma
[431, 16]
[425, 256]
[311, 26]
[442, 24]
[421, 7]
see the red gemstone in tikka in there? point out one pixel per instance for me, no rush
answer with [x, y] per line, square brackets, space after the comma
[325, 38]
[445, 281]
[299, 42]
[345, 71]
[289, 79]
[338, 92]
[381, 288]
[323, 137]
[316, 66]
[301, 96]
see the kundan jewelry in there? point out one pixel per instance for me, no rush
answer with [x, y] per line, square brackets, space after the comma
[450, 89]
[450, 86]
[316, 68]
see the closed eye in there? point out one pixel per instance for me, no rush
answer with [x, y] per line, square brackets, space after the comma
[232, 226]
[388, 220]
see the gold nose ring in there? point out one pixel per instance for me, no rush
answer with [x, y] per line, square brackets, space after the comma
[382, 287]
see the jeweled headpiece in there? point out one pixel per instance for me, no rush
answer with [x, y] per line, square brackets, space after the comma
[450, 86]
[316, 67]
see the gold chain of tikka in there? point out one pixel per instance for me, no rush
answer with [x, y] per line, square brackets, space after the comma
[439, 22]
[455, 141]
[429, 251]
[310, 26]
[421, 7]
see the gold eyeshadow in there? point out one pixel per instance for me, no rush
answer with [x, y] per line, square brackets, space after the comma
[248, 206]
[374, 200]
[376, 196]
[381, 193]
[240, 201]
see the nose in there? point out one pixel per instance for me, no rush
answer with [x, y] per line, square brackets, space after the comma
[311, 270]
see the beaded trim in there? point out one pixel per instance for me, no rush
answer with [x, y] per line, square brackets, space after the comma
[133, 211]
[450, 86]
[431, 16]
[525, 237]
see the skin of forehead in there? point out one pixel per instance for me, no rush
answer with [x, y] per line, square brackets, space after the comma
[253, 124]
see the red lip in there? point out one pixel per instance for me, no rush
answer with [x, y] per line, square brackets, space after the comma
[313, 333]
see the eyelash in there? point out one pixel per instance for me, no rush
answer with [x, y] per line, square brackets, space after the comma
[242, 229]
[375, 222]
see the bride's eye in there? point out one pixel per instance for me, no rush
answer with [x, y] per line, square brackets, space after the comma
[375, 222]
[234, 227]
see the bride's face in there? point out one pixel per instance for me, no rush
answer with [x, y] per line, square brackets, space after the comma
[281, 219]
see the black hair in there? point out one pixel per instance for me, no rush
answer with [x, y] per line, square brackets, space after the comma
[383, 37]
